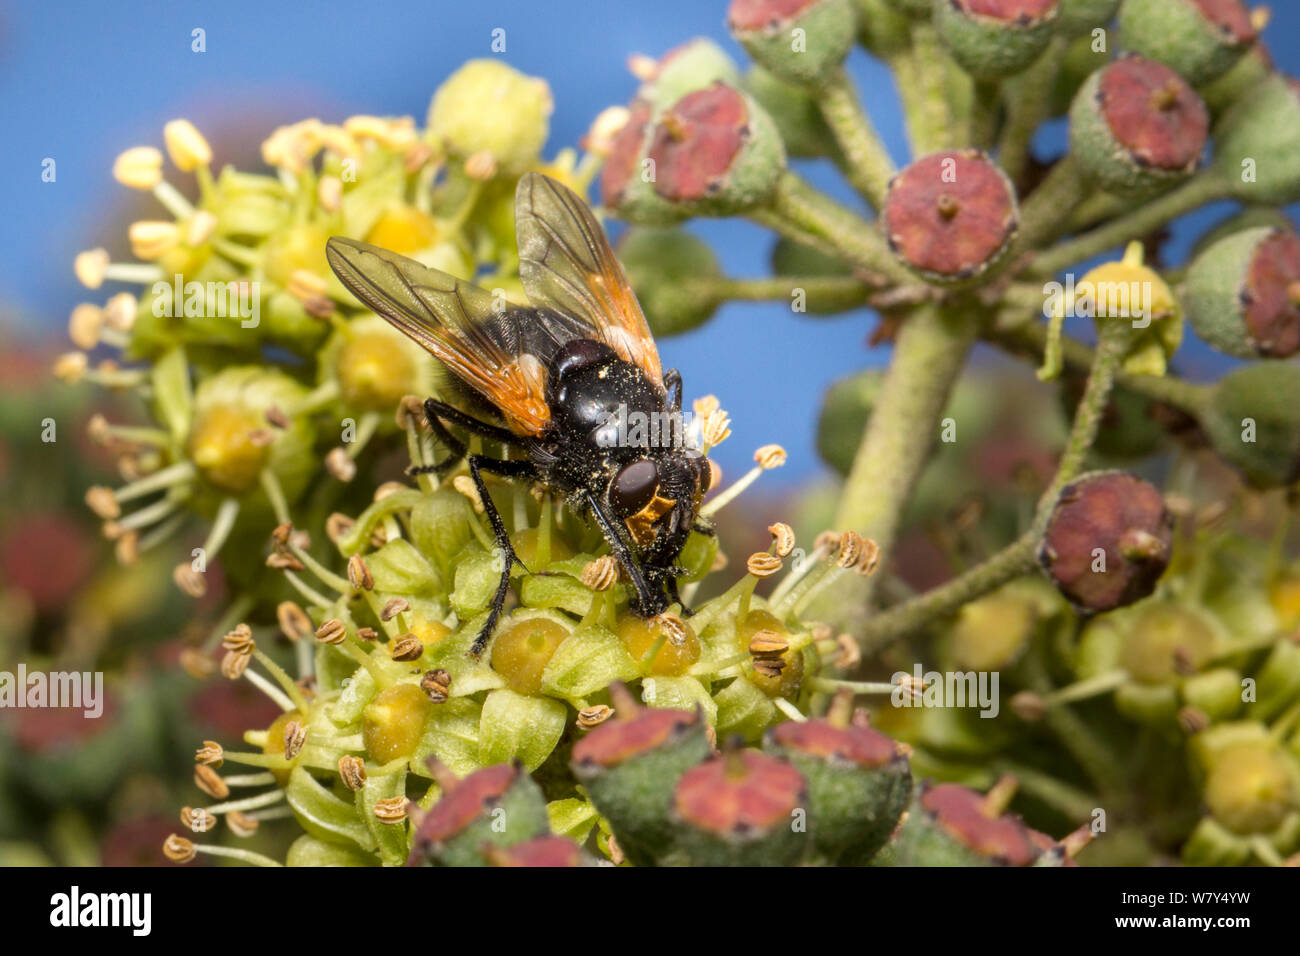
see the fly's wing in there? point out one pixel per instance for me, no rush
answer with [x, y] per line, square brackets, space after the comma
[448, 316]
[567, 266]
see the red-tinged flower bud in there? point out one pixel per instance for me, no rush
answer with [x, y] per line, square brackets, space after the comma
[951, 215]
[1243, 293]
[800, 41]
[995, 38]
[630, 765]
[1201, 39]
[741, 808]
[1137, 128]
[498, 805]
[626, 185]
[545, 851]
[949, 825]
[715, 152]
[1107, 541]
[859, 782]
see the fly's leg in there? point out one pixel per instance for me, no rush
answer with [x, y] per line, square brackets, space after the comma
[649, 601]
[436, 411]
[508, 469]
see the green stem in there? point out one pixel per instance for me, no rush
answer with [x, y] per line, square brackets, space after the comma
[868, 166]
[1201, 189]
[1070, 801]
[1092, 407]
[928, 356]
[1045, 212]
[1031, 337]
[985, 106]
[1011, 562]
[798, 207]
[929, 114]
[1028, 107]
[821, 293]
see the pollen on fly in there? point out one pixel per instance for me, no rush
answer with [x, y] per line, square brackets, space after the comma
[572, 386]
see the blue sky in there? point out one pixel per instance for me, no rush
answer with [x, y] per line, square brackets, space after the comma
[84, 80]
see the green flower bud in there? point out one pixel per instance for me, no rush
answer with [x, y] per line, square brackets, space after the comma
[1152, 705]
[630, 766]
[950, 216]
[715, 152]
[1257, 143]
[1137, 128]
[1247, 73]
[1243, 293]
[496, 806]
[1107, 541]
[376, 365]
[667, 651]
[790, 258]
[949, 825]
[859, 782]
[1166, 639]
[231, 440]
[393, 722]
[800, 41]
[795, 112]
[1278, 679]
[1252, 788]
[995, 38]
[398, 568]
[844, 414]
[522, 649]
[1081, 16]
[1253, 421]
[1216, 693]
[741, 808]
[991, 633]
[684, 69]
[1201, 39]
[1252, 217]
[660, 264]
[486, 106]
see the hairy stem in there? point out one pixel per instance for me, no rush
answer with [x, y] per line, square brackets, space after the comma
[1201, 189]
[797, 208]
[1028, 106]
[868, 166]
[826, 293]
[928, 356]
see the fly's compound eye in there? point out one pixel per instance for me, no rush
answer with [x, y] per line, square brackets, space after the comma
[634, 487]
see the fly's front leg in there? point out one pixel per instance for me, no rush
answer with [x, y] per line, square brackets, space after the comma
[509, 469]
[650, 601]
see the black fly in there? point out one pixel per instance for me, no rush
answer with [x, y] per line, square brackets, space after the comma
[557, 380]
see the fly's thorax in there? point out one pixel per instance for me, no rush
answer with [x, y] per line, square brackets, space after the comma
[603, 402]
